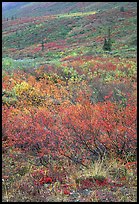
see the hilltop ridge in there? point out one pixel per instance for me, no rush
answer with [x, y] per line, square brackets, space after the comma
[30, 9]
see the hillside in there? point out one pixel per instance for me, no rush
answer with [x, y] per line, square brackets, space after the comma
[70, 34]
[69, 102]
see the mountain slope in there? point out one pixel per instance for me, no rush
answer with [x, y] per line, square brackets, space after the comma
[27, 9]
[74, 33]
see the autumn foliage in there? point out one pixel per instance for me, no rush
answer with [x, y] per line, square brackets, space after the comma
[59, 119]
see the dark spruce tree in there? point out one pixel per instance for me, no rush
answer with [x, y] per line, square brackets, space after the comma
[122, 9]
[42, 45]
[107, 42]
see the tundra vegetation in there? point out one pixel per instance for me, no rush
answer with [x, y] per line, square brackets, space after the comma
[69, 104]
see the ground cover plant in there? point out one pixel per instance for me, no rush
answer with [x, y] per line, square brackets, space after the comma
[69, 106]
